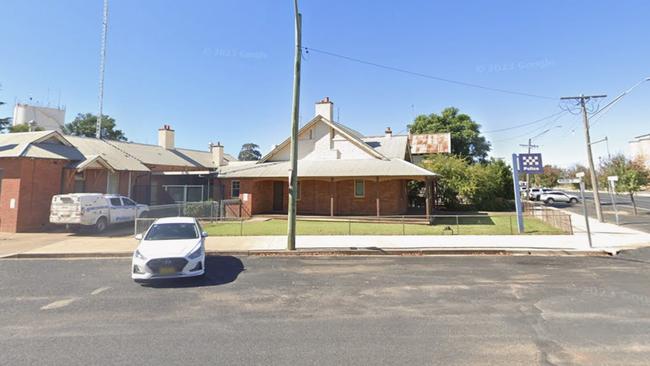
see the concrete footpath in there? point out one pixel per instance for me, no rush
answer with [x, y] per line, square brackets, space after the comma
[607, 238]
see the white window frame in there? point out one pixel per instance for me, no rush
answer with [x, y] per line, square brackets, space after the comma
[232, 188]
[363, 185]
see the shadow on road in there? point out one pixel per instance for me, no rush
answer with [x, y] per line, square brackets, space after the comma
[219, 270]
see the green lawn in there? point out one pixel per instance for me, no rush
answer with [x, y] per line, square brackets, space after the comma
[487, 225]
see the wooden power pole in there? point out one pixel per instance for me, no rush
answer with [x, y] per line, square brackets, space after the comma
[293, 171]
[582, 100]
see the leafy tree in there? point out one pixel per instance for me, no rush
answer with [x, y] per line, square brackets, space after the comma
[249, 151]
[571, 173]
[5, 122]
[631, 175]
[466, 139]
[85, 124]
[549, 177]
[24, 128]
[485, 186]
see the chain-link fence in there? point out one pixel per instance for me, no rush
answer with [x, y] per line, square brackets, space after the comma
[208, 211]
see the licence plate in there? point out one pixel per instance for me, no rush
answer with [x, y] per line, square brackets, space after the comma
[167, 270]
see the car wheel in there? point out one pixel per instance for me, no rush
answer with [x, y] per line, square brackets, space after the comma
[101, 225]
[573, 201]
[550, 201]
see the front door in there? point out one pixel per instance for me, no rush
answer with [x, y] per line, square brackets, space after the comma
[278, 196]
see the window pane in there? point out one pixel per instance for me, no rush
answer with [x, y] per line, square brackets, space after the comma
[359, 190]
[235, 188]
[116, 202]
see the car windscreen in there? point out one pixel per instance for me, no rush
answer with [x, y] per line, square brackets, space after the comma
[172, 231]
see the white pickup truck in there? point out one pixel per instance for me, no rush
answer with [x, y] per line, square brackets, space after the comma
[94, 210]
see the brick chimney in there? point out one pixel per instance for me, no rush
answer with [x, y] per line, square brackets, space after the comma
[325, 108]
[166, 137]
[389, 132]
[217, 154]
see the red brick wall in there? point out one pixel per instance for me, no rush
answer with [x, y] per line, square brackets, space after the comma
[315, 196]
[32, 183]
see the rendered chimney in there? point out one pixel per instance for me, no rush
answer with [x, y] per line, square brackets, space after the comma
[217, 154]
[325, 108]
[389, 132]
[166, 137]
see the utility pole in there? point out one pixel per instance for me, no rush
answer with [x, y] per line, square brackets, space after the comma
[530, 146]
[102, 61]
[590, 159]
[293, 171]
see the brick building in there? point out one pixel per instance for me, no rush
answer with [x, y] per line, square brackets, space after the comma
[34, 166]
[340, 172]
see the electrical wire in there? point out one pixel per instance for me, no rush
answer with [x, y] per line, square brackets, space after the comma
[427, 76]
[535, 130]
[524, 124]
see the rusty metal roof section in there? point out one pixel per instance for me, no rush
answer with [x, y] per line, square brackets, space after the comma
[431, 143]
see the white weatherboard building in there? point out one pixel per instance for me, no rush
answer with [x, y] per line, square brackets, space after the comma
[640, 149]
[45, 117]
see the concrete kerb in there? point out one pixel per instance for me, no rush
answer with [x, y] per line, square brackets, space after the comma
[328, 252]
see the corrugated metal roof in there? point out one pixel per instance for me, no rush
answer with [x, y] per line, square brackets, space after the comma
[391, 147]
[431, 143]
[16, 144]
[114, 157]
[327, 168]
[46, 150]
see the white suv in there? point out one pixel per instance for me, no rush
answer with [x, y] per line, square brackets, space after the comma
[557, 196]
[94, 210]
[535, 193]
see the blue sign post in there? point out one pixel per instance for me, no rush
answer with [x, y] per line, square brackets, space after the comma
[515, 180]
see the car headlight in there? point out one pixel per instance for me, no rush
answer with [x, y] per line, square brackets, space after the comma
[197, 253]
[139, 255]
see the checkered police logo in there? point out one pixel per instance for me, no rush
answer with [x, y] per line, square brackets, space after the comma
[531, 163]
[530, 160]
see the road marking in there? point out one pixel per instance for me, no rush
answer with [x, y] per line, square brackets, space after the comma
[58, 304]
[99, 290]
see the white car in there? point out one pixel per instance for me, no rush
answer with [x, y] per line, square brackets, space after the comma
[557, 196]
[535, 193]
[172, 247]
[94, 210]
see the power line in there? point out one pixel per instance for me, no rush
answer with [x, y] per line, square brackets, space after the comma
[536, 129]
[524, 124]
[427, 76]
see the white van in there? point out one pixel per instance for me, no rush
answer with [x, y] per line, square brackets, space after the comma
[94, 210]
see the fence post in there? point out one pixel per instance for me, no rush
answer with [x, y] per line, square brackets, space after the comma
[457, 226]
[179, 209]
[241, 227]
[349, 226]
[403, 227]
[510, 219]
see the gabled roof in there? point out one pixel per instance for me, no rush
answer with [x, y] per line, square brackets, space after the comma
[117, 159]
[350, 134]
[395, 146]
[37, 144]
[91, 161]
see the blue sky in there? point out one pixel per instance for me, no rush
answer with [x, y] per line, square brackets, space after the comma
[222, 70]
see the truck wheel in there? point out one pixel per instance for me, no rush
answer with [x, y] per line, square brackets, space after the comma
[573, 201]
[550, 201]
[101, 225]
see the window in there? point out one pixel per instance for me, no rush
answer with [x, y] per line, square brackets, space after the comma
[115, 201]
[127, 202]
[172, 232]
[79, 182]
[112, 182]
[234, 188]
[311, 134]
[359, 188]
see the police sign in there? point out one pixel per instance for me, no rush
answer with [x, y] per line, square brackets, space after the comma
[531, 163]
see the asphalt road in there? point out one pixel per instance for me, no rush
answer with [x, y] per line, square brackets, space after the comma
[641, 221]
[331, 311]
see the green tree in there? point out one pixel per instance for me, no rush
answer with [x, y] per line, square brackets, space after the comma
[549, 177]
[485, 186]
[24, 128]
[249, 151]
[5, 122]
[466, 139]
[632, 175]
[85, 124]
